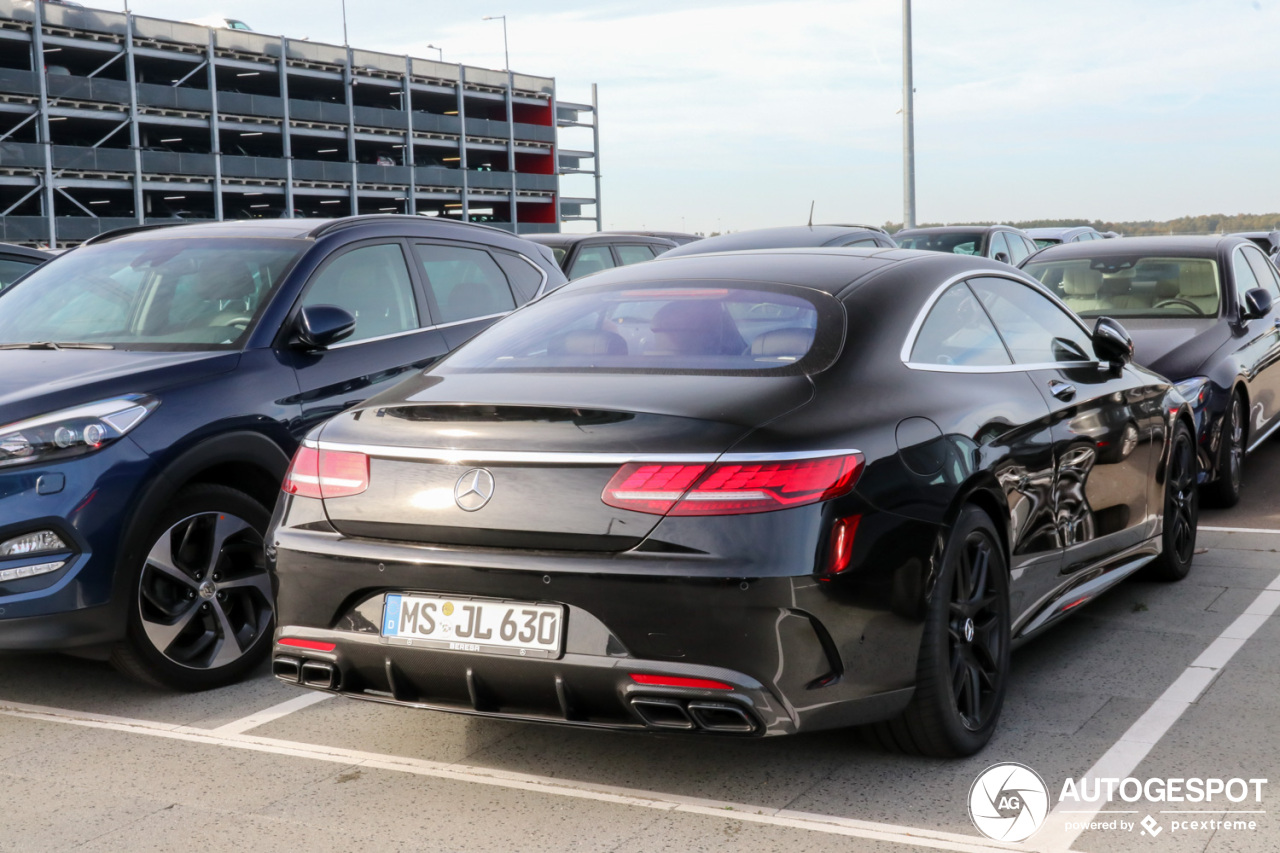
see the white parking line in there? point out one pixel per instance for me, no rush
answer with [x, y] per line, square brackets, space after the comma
[1124, 757]
[743, 812]
[275, 712]
[1238, 529]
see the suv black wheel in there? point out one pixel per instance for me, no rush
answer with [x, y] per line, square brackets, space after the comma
[201, 607]
[1181, 510]
[964, 655]
[1225, 491]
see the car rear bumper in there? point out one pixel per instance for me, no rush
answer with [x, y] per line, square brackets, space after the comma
[796, 653]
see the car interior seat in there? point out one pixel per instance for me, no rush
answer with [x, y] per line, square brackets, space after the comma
[787, 344]
[1117, 292]
[1080, 286]
[587, 342]
[695, 327]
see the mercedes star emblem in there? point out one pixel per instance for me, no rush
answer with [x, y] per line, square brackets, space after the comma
[474, 490]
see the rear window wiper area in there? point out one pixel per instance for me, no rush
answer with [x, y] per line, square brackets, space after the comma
[56, 345]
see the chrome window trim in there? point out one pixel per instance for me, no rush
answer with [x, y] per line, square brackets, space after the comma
[542, 288]
[1027, 281]
[458, 457]
[416, 331]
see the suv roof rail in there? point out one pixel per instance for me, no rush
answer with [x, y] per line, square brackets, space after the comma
[352, 221]
[129, 229]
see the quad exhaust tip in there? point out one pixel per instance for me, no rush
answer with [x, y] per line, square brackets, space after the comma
[287, 669]
[674, 714]
[319, 674]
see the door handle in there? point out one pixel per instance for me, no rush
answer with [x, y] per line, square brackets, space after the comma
[1061, 390]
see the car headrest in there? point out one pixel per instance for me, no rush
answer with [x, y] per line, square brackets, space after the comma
[587, 342]
[792, 342]
[1198, 280]
[1081, 281]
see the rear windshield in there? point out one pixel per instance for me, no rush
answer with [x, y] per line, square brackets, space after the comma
[160, 294]
[740, 328]
[1133, 286]
[956, 242]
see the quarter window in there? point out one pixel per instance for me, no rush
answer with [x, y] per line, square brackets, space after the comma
[373, 284]
[958, 332]
[1017, 248]
[525, 278]
[998, 245]
[1035, 330]
[466, 283]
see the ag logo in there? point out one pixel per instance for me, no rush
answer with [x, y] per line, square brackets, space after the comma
[1008, 802]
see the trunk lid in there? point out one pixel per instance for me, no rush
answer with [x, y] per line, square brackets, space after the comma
[546, 447]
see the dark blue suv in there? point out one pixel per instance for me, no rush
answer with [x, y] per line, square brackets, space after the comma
[155, 382]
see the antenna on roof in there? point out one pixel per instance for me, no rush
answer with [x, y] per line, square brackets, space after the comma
[811, 204]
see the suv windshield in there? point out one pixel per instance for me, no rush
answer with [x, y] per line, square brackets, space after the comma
[162, 294]
[957, 242]
[1133, 286]
[738, 328]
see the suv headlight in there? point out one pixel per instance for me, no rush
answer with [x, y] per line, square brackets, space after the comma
[73, 432]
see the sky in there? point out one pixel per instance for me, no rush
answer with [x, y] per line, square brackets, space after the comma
[719, 116]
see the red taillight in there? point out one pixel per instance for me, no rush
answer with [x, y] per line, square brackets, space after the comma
[326, 473]
[678, 681]
[841, 552]
[313, 645]
[731, 488]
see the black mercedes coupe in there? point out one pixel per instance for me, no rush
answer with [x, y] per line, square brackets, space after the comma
[745, 494]
[1204, 311]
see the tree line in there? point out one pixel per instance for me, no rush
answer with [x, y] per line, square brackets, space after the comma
[1213, 223]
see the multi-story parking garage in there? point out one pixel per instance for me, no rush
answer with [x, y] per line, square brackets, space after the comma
[110, 120]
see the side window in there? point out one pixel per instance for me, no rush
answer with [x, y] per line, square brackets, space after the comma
[1035, 329]
[525, 278]
[998, 245]
[958, 332]
[591, 259]
[1265, 271]
[1245, 279]
[11, 270]
[633, 254]
[1017, 249]
[863, 243]
[371, 282]
[466, 283]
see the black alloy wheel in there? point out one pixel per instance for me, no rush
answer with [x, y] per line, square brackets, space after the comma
[1225, 490]
[1181, 510]
[202, 608]
[964, 654]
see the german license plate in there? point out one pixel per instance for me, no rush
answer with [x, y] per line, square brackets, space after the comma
[473, 625]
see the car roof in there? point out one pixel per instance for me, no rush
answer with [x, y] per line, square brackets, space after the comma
[830, 269]
[1056, 231]
[598, 237]
[956, 229]
[782, 237]
[1191, 246]
[24, 251]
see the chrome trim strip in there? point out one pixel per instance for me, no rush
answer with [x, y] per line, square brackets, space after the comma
[1275, 426]
[416, 330]
[1088, 590]
[458, 457]
[1001, 368]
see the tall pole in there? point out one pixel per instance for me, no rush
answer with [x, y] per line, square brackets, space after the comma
[345, 43]
[506, 58]
[908, 125]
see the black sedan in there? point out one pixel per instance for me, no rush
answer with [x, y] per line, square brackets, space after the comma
[744, 494]
[790, 237]
[583, 254]
[1002, 243]
[1202, 311]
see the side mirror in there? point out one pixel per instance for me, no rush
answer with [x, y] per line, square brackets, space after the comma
[321, 326]
[1111, 342]
[1001, 257]
[1257, 303]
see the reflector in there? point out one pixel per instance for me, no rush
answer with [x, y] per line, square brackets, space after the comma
[678, 681]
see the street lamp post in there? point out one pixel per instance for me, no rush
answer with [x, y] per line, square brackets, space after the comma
[506, 58]
[345, 43]
[437, 50]
[908, 125]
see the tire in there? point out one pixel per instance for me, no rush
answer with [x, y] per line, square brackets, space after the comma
[964, 654]
[1225, 490]
[1181, 510]
[201, 609]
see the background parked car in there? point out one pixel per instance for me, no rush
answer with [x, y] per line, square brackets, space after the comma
[790, 237]
[668, 505]
[583, 254]
[998, 242]
[1267, 241]
[17, 261]
[677, 237]
[1204, 311]
[1053, 236]
[153, 384]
